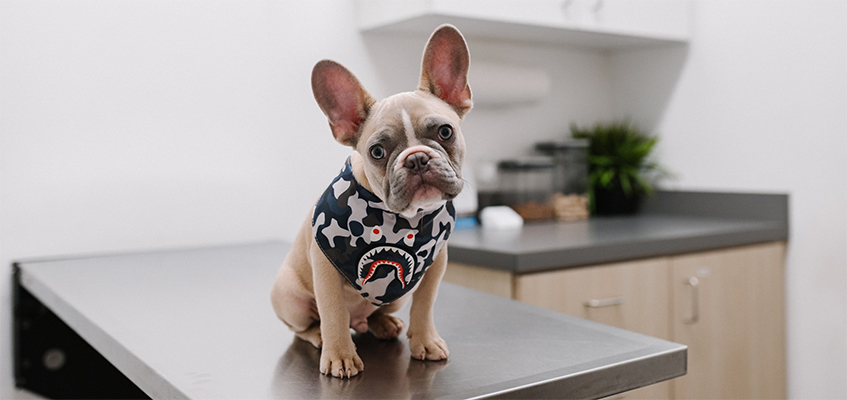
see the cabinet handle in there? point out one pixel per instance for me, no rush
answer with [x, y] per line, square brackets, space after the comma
[597, 303]
[695, 300]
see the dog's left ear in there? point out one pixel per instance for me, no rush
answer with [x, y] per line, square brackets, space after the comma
[444, 71]
[342, 99]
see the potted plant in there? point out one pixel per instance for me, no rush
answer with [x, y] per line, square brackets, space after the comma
[618, 166]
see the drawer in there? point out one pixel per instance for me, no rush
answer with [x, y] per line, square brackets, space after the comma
[631, 295]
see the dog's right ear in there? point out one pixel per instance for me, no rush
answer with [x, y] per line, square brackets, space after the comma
[342, 99]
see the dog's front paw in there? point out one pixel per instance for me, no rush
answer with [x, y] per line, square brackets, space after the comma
[341, 364]
[427, 345]
[384, 326]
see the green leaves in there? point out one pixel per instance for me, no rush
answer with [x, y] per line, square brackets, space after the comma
[617, 156]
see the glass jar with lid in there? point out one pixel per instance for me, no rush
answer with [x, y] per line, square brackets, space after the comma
[570, 177]
[527, 185]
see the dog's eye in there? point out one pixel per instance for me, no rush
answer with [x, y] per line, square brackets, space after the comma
[445, 132]
[377, 152]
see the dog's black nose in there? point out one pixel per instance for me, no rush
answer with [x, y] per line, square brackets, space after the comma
[416, 161]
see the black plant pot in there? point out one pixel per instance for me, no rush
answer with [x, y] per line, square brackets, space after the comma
[613, 201]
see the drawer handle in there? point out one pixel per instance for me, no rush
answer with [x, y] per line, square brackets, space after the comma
[598, 303]
[695, 300]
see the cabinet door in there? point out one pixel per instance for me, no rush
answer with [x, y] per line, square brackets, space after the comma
[729, 308]
[491, 281]
[632, 295]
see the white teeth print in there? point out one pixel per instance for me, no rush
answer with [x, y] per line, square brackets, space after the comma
[368, 259]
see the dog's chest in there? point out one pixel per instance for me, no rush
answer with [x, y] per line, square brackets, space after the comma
[382, 254]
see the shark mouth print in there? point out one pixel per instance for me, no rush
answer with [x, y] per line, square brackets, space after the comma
[394, 258]
[381, 254]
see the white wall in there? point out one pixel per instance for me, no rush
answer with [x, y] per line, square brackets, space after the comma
[580, 91]
[760, 104]
[139, 125]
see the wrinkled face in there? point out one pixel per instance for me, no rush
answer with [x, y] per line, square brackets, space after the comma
[410, 144]
[412, 147]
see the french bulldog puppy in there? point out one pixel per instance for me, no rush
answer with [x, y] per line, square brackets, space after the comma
[376, 237]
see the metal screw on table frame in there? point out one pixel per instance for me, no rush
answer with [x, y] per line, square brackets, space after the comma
[54, 359]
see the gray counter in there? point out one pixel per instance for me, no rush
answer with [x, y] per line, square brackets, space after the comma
[198, 324]
[670, 223]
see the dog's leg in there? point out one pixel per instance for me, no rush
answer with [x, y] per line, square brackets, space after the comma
[338, 356]
[292, 297]
[298, 312]
[385, 326]
[312, 335]
[424, 341]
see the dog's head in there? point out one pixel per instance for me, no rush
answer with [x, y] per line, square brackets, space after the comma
[410, 145]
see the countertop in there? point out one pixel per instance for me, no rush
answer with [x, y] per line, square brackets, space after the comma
[199, 324]
[669, 223]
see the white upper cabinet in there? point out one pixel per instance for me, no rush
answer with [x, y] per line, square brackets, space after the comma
[605, 24]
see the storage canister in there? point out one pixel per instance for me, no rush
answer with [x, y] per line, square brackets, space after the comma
[570, 177]
[526, 185]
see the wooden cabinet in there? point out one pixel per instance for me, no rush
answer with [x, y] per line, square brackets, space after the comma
[731, 314]
[733, 322]
[632, 296]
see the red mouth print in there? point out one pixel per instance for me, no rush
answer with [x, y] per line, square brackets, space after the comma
[388, 256]
[396, 265]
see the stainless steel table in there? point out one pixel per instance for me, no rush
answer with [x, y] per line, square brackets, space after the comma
[198, 324]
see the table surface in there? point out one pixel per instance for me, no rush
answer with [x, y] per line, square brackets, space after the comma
[199, 324]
